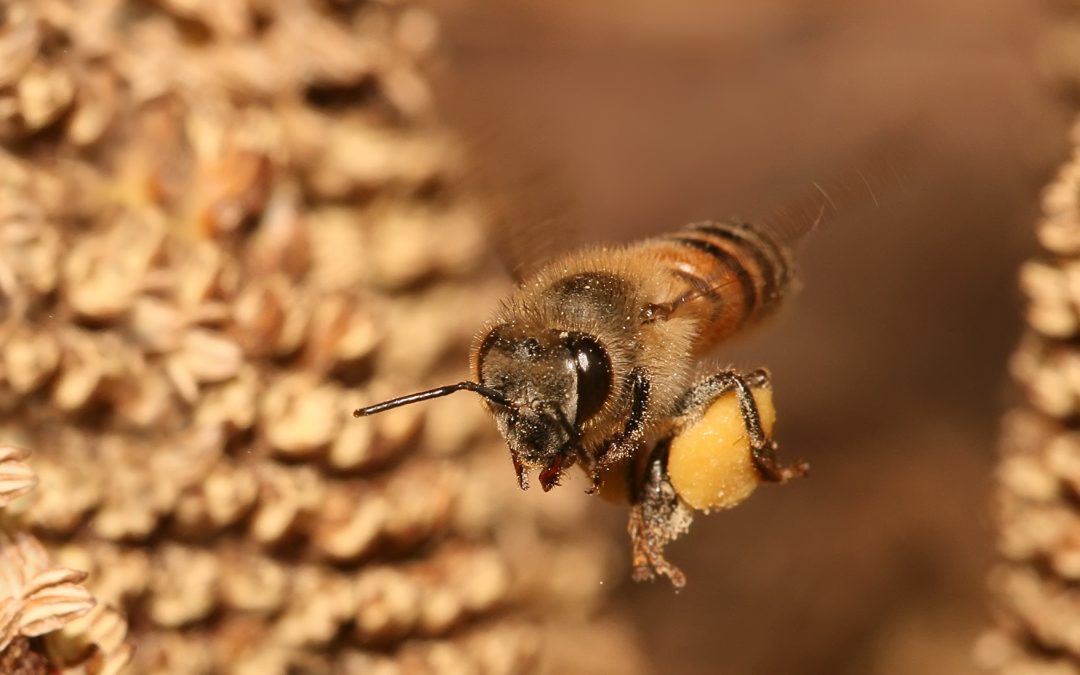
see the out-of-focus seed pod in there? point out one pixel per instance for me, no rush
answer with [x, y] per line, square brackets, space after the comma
[1038, 476]
[221, 240]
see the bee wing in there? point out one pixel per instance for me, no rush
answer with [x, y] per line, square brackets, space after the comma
[528, 207]
[851, 190]
[861, 186]
[867, 183]
[532, 223]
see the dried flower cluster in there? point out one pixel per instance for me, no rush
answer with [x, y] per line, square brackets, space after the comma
[38, 598]
[1039, 474]
[223, 225]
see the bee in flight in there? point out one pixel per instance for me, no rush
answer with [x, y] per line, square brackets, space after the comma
[593, 361]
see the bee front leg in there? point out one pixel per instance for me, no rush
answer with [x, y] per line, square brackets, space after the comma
[632, 435]
[657, 517]
[763, 450]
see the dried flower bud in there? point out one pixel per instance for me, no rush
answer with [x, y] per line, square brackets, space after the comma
[287, 496]
[299, 416]
[183, 585]
[44, 94]
[16, 477]
[19, 42]
[47, 597]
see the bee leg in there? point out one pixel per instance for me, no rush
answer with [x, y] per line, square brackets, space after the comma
[763, 449]
[522, 474]
[591, 466]
[657, 517]
[633, 433]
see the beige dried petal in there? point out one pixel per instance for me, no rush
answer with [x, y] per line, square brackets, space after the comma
[82, 373]
[13, 453]
[97, 643]
[10, 118]
[299, 416]
[53, 577]
[259, 313]
[96, 285]
[1050, 309]
[95, 106]
[1026, 476]
[320, 603]
[71, 486]
[44, 94]
[230, 492]
[230, 190]
[118, 574]
[29, 359]
[9, 620]
[281, 242]
[227, 18]
[145, 399]
[420, 502]
[350, 522]
[205, 274]
[287, 496]
[52, 606]
[29, 248]
[482, 578]
[389, 605]
[19, 43]
[49, 596]
[441, 608]
[361, 157]
[337, 239]
[210, 356]
[233, 404]
[341, 334]
[417, 30]
[271, 317]
[16, 477]
[158, 325]
[318, 50]
[246, 68]
[183, 380]
[183, 585]
[197, 451]
[454, 427]
[354, 445]
[254, 584]
[144, 486]
[21, 558]
[407, 89]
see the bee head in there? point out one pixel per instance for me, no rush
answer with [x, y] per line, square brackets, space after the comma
[554, 381]
[542, 386]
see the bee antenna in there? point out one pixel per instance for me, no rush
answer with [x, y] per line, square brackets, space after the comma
[490, 394]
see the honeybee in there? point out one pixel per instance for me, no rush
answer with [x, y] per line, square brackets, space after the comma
[593, 361]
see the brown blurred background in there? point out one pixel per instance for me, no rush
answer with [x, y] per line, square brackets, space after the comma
[889, 365]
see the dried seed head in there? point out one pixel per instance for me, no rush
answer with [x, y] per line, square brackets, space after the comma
[16, 476]
[192, 261]
[44, 94]
[38, 598]
[299, 416]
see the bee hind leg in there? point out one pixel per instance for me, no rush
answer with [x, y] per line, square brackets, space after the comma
[762, 449]
[657, 517]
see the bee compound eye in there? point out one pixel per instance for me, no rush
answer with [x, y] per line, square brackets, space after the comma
[593, 375]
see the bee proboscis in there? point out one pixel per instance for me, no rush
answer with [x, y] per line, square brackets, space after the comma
[594, 360]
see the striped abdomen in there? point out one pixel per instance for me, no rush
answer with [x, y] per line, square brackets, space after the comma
[727, 274]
